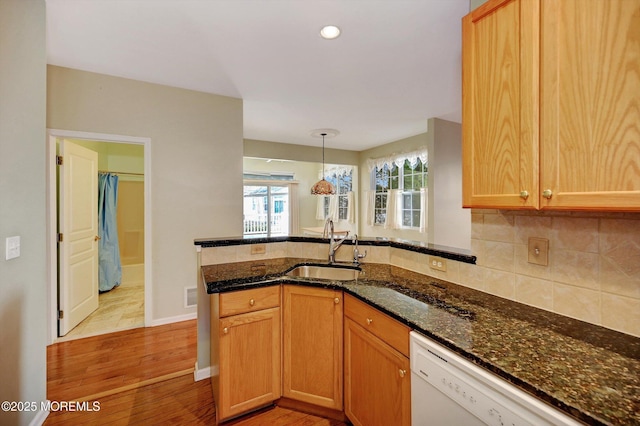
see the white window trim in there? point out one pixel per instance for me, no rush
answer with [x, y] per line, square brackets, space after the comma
[394, 221]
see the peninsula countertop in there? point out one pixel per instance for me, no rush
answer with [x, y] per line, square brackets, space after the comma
[589, 372]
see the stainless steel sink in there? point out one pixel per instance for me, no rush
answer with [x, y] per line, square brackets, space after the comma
[325, 272]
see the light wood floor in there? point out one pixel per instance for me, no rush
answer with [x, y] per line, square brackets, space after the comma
[121, 308]
[143, 377]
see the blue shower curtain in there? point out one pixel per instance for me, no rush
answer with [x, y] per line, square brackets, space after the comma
[110, 269]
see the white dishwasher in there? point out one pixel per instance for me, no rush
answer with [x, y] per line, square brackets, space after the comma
[447, 390]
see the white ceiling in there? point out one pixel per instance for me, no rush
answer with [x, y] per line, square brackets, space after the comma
[396, 64]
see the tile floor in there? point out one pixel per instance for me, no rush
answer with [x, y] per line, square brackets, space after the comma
[121, 308]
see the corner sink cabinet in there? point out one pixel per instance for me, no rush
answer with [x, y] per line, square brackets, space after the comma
[312, 345]
[248, 350]
[550, 105]
[377, 376]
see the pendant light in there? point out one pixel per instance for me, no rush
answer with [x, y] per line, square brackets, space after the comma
[322, 187]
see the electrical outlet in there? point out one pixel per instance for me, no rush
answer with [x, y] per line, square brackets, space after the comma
[258, 248]
[438, 263]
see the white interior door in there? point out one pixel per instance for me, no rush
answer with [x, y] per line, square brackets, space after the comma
[78, 224]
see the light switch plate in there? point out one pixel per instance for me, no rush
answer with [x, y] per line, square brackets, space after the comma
[12, 247]
[538, 251]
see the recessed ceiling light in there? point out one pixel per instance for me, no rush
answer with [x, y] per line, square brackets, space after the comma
[329, 32]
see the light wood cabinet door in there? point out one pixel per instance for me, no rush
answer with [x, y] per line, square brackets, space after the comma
[312, 355]
[551, 105]
[590, 116]
[377, 380]
[500, 104]
[250, 362]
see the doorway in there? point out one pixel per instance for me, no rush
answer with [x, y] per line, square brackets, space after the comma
[129, 159]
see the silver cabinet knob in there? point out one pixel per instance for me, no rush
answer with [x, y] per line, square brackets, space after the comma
[524, 194]
[547, 193]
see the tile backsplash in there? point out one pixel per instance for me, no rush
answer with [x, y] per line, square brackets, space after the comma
[593, 273]
[594, 263]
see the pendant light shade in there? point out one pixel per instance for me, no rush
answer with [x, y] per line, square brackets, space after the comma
[323, 187]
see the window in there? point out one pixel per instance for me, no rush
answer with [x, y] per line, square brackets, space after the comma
[385, 180]
[343, 182]
[414, 178]
[406, 174]
[266, 210]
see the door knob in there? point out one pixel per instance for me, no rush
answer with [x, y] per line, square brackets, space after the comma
[369, 321]
[547, 193]
[524, 194]
[96, 238]
[336, 300]
[252, 302]
[402, 372]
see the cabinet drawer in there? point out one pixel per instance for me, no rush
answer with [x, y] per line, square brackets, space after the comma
[255, 299]
[394, 333]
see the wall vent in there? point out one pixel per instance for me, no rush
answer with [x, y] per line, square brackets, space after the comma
[190, 297]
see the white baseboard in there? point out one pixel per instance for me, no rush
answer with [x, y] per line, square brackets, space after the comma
[201, 373]
[171, 320]
[39, 419]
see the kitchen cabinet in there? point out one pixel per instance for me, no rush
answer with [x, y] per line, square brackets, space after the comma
[377, 376]
[312, 345]
[246, 349]
[551, 95]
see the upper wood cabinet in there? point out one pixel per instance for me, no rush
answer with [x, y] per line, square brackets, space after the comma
[551, 105]
[312, 355]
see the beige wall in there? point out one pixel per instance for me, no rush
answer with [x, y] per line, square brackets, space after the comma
[196, 163]
[449, 224]
[475, 3]
[23, 289]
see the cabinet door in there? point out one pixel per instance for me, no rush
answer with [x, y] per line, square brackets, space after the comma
[500, 104]
[590, 120]
[377, 380]
[312, 325]
[249, 361]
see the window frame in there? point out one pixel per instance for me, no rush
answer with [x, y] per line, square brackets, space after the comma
[337, 179]
[397, 179]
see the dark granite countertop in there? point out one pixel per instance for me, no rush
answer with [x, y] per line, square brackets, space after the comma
[446, 252]
[589, 372]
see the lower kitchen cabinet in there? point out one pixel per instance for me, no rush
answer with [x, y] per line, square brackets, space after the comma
[377, 375]
[312, 345]
[246, 349]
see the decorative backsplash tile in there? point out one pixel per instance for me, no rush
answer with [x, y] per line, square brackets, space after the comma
[594, 263]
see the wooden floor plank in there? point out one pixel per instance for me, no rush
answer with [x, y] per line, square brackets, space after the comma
[96, 364]
[143, 377]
